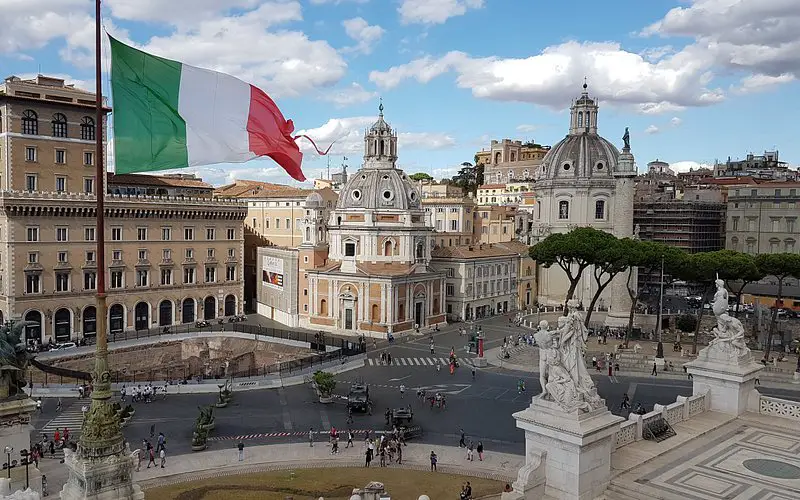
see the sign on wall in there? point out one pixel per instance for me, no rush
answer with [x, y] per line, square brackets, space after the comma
[272, 272]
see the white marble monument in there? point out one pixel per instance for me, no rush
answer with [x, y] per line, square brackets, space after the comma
[726, 368]
[569, 432]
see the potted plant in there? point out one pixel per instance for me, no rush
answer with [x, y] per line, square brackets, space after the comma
[206, 419]
[325, 383]
[130, 410]
[199, 439]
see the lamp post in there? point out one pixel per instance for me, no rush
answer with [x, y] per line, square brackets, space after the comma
[659, 329]
[8, 451]
[25, 459]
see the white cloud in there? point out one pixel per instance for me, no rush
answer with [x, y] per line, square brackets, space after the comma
[526, 128]
[434, 11]
[675, 121]
[553, 77]
[176, 12]
[348, 134]
[365, 35]
[761, 82]
[686, 166]
[354, 94]
[257, 170]
[652, 129]
[336, 2]
[755, 36]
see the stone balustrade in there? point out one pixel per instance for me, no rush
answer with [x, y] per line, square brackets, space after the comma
[782, 408]
[43, 195]
[682, 409]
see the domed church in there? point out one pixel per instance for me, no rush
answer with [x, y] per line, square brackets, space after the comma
[367, 269]
[584, 180]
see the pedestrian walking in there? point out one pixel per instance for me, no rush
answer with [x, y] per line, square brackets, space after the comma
[311, 437]
[66, 434]
[434, 459]
[57, 435]
[610, 369]
[368, 455]
[52, 449]
[151, 454]
[626, 402]
[470, 451]
[58, 406]
[655, 370]
[399, 454]
[240, 446]
[349, 439]
[462, 443]
[163, 457]
[479, 449]
[388, 359]
[161, 442]
[335, 445]
[402, 390]
[84, 410]
[39, 405]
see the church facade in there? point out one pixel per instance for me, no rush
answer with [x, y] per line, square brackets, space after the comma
[584, 180]
[364, 266]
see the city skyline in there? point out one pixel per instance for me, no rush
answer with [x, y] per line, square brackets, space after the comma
[455, 74]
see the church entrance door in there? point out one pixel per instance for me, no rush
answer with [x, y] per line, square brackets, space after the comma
[348, 319]
[418, 314]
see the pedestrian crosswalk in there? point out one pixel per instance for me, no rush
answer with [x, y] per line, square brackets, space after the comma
[422, 361]
[70, 417]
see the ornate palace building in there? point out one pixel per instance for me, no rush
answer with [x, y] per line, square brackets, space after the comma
[364, 266]
[173, 254]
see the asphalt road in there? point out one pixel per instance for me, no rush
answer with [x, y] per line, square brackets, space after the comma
[481, 407]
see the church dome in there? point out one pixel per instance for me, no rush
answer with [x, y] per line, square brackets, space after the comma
[379, 189]
[583, 153]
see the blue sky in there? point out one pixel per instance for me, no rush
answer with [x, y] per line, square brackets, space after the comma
[695, 80]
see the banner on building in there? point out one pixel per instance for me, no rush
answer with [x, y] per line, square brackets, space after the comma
[272, 272]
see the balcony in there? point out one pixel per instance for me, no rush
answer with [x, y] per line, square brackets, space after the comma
[89, 264]
[211, 260]
[166, 263]
[117, 264]
[189, 261]
[231, 259]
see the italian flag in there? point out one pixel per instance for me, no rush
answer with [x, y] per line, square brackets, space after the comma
[169, 115]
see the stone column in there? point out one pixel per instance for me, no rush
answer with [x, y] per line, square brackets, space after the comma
[622, 223]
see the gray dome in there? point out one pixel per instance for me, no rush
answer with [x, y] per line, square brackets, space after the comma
[314, 200]
[379, 188]
[580, 156]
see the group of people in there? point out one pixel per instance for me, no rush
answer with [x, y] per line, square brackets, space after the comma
[147, 450]
[40, 449]
[389, 448]
[141, 393]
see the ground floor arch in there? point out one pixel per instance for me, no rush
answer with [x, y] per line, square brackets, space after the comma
[165, 313]
[230, 305]
[209, 308]
[34, 331]
[187, 310]
[89, 325]
[62, 325]
[116, 318]
[141, 316]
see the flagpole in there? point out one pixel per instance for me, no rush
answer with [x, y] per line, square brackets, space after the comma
[101, 434]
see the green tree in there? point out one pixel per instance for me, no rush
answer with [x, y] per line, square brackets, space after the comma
[325, 383]
[738, 270]
[781, 266]
[420, 176]
[609, 260]
[686, 322]
[700, 268]
[646, 257]
[469, 177]
[573, 252]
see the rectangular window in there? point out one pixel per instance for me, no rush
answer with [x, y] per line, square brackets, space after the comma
[88, 234]
[116, 255]
[30, 153]
[735, 221]
[210, 253]
[210, 233]
[189, 254]
[117, 278]
[61, 184]
[62, 257]
[349, 249]
[166, 276]
[288, 223]
[32, 234]
[231, 252]
[61, 234]
[89, 256]
[454, 225]
[88, 158]
[166, 254]
[116, 234]
[439, 225]
[451, 272]
[31, 183]
[211, 274]
[188, 233]
[88, 185]
[33, 283]
[450, 290]
[142, 254]
[142, 277]
[790, 225]
[62, 282]
[230, 273]
[166, 233]
[33, 257]
[141, 233]
[61, 156]
[231, 233]
[188, 275]
[266, 223]
[89, 280]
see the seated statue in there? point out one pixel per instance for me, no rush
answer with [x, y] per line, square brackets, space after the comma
[729, 335]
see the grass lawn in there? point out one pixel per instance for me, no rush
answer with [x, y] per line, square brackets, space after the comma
[401, 484]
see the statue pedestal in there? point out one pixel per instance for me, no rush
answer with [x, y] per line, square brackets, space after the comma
[568, 454]
[15, 431]
[106, 478]
[728, 376]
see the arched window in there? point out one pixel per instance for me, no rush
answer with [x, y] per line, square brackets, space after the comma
[116, 316]
[588, 119]
[87, 128]
[141, 316]
[59, 125]
[580, 118]
[563, 209]
[165, 313]
[187, 311]
[30, 122]
[510, 175]
[90, 321]
[387, 248]
[497, 157]
[33, 331]
[600, 209]
[230, 305]
[209, 308]
[513, 156]
[381, 147]
[308, 234]
[376, 313]
[62, 325]
[499, 177]
[323, 307]
[734, 243]
[420, 251]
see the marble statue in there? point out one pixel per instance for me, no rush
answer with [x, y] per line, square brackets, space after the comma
[14, 360]
[627, 139]
[562, 369]
[729, 332]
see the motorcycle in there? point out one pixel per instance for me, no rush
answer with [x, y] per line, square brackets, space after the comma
[202, 324]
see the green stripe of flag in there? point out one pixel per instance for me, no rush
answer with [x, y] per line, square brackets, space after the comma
[149, 133]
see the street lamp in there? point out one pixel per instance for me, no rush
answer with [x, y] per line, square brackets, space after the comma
[659, 329]
[25, 459]
[8, 451]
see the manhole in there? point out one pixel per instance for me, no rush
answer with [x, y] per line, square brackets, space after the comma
[772, 468]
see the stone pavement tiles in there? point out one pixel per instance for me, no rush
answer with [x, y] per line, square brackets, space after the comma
[224, 461]
[750, 458]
